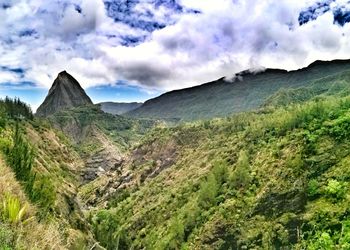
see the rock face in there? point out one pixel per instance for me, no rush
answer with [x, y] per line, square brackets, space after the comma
[65, 92]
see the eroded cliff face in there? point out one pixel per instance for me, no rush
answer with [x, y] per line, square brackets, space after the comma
[65, 92]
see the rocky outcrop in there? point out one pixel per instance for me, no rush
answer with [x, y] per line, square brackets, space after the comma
[106, 158]
[65, 92]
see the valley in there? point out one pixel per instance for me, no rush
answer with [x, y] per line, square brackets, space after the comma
[259, 163]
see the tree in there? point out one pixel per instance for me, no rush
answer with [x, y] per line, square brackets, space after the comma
[208, 191]
[240, 177]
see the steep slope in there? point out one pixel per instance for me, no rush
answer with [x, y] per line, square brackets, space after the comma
[277, 179]
[32, 234]
[101, 139]
[220, 98]
[65, 93]
[118, 108]
[335, 85]
[43, 168]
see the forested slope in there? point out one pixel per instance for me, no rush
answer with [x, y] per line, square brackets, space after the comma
[273, 179]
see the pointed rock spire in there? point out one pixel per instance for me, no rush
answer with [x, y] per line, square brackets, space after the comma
[64, 93]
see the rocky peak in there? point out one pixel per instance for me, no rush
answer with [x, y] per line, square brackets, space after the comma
[64, 93]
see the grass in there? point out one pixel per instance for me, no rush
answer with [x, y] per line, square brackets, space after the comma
[12, 211]
[19, 225]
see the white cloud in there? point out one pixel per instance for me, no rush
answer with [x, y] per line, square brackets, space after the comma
[226, 37]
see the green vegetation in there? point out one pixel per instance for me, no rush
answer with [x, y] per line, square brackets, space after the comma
[277, 178]
[77, 123]
[20, 157]
[37, 185]
[273, 178]
[14, 109]
[11, 211]
[222, 98]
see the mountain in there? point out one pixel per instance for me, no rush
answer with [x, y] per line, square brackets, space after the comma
[65, 92]
[276, 177]
[118, 108]
[220, 98]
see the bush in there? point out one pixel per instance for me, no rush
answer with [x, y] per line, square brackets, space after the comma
[313, 188]
[344, 241]
[176, 235]
[108, 231]
[322, 241]
[335, 190]
[220, 172]
[208, 191]
[43, 193]
[7, 237]
[340, 128]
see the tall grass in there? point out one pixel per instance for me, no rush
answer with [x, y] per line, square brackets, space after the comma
[12, 211]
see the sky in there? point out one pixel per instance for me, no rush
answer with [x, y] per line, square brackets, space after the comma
[133, 50]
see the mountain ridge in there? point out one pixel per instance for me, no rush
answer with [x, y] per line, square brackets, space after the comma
[222, 97]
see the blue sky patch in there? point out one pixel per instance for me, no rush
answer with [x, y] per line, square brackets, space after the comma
[125, 11]
[341, 17]
[132, 40]
[313, 12]
[18, 71]
[119, 93]
[341, 13]
[27, 32]
[26, 91]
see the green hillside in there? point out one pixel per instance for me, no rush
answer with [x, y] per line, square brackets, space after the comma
[38, 184]
[221, 98]
[277, 179]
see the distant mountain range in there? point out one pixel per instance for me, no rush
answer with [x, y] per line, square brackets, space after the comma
[249, 91]
[119, 108]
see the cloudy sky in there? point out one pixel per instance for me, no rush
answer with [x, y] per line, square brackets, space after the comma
[132, 50]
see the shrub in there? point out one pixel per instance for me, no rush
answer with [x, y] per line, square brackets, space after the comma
[176, 235]
[340, 127]
[108, 231]
[7, 237]
[344, 241]
[335, 190]
[220, 172]
[208, 192]
[43, 193]
[321, 241]
[313, 188]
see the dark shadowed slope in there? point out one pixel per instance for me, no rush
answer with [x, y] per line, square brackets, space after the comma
[220, 98]
[118, 108]
[65, 92]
